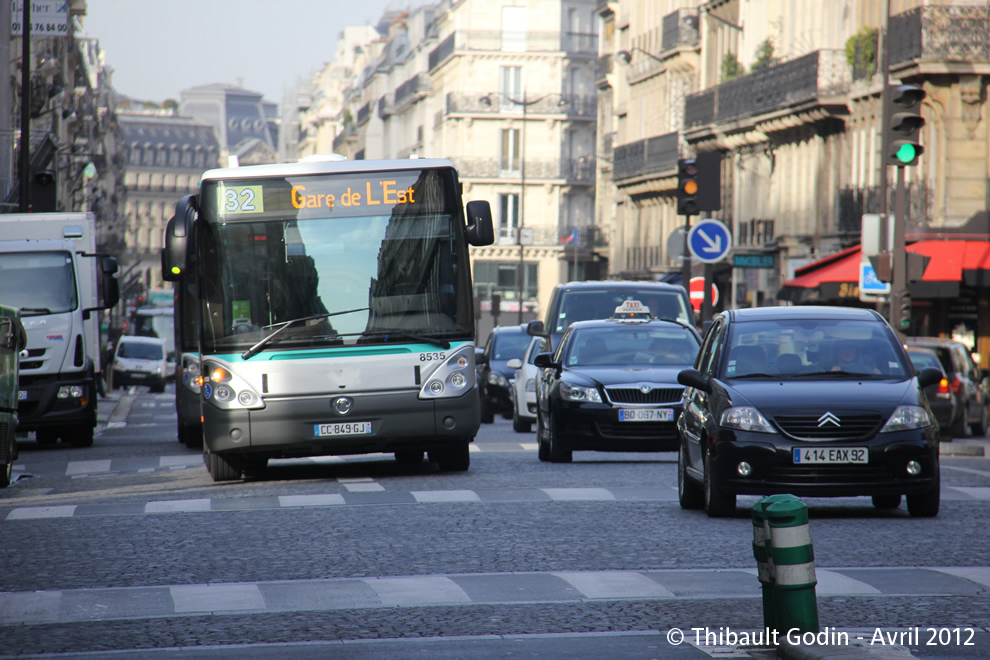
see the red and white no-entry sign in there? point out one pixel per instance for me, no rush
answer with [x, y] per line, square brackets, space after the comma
[697, 291]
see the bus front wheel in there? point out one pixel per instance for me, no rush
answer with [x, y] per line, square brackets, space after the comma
[224, 467]
[454, 458]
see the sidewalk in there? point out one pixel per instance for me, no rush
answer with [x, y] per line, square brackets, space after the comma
[966, 447]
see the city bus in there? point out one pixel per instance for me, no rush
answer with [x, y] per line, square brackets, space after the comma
[325, 308]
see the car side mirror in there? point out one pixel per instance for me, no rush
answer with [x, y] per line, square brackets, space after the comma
[929, 376]
[693, 378]
[535, 328]
[514, 363]
[544, 361]
[479, 356]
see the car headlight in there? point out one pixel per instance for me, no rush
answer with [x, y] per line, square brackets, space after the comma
[906, 418]
[496, 379]
[746, 418]
[577, 393]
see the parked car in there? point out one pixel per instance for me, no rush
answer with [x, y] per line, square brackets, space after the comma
[524, 386]
[775, 405]
[940, 398]
[140, 361]
[612, 385]
[967, 382]
[584, 301]
[504, 343]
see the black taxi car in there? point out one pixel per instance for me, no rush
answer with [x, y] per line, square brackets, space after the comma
[814, 401]
[611, 385]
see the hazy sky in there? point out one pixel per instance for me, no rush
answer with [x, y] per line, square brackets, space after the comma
[159, 47]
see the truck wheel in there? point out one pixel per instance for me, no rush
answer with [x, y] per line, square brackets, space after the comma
[82, 438]
[7, 457]
[47, 438]
[224, 467]
[455, 458]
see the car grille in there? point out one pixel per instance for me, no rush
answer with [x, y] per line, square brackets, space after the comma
[659, 430]
[829, 474]
[810, 427]
[636, 395]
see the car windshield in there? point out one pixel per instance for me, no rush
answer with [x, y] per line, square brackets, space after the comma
[509, 345]
[655, 344]
[590, 305]
[802, 348]
[140, 351]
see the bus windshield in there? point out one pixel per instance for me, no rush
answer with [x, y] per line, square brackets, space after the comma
[395, 268]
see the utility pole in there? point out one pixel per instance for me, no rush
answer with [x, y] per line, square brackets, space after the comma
[25, 155]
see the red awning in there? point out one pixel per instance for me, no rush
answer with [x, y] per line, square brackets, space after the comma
[953, 262]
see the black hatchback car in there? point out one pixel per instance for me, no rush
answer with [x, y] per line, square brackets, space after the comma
[504, 343]
[612, 385]
[812, 401]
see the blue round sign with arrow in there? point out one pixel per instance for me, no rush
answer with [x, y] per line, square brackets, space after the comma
[710, 241]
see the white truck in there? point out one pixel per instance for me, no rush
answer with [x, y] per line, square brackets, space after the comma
[50, 270]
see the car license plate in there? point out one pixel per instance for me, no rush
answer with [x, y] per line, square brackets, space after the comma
[831, 455]
[22, 395]
[646, 414]
[342, 428]
[138, 375]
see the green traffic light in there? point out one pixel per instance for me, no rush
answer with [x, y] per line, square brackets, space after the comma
[906, 153]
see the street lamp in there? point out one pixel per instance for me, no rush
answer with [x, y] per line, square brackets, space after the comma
[524, 103]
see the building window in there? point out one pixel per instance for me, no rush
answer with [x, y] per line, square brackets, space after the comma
[510, 87]
[508, 216]
[509, 161]
[501, 277]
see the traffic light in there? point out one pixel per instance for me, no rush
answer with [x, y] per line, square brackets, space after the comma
[904, 314]
[903, 125]
[43, 193]
[687, 187]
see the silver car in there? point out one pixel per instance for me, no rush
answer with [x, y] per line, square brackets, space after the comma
[524, 386]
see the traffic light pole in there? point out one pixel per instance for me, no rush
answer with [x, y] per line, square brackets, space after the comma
[898, 270]
[686, 261]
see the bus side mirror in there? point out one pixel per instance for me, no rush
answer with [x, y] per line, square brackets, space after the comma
[177, 233]
[479, 230]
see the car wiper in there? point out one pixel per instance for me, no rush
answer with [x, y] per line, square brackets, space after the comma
[254, 350]
[35, 311]
[442, 343]
[837, 372]
[756, 374]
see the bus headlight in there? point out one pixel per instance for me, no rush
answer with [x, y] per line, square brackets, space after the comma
[228, 391]
[452, 377]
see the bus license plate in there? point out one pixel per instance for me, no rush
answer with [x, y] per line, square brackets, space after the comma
[831, 455]
[342, 428]
[646, 414]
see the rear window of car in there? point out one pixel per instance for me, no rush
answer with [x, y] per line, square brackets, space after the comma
[595, 304]
[924, 359]
[801, 347]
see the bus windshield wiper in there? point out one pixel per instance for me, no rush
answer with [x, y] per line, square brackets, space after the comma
[254, 350]
[442, 343]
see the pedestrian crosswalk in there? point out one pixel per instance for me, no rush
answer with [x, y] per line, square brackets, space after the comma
[67, 605]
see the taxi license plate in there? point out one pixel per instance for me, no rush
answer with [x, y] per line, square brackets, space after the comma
[646, 414]
[831, 455]
[342, 428]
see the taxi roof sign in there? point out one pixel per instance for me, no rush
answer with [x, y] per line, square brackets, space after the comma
[632, 310]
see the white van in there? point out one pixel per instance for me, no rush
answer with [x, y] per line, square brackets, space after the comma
[140, 361]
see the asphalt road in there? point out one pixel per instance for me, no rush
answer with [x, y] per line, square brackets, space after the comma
[129, 547]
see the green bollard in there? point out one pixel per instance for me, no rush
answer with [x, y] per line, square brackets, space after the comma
[793, 565]
[764, 562]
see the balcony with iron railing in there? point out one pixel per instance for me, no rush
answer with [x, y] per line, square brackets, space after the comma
[572, 43]
[680, 28]
[782, 85]
[573, 106]
[650, 156]
[418, 83]
[577, 171]
[364, 113]
[940, 34]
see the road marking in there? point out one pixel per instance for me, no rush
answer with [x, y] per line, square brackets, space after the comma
[408, 592]
[578, 494]
[177, 506]
[35, 512]
[87, 467]
[446, 496]
[310, 500]
[216, 598]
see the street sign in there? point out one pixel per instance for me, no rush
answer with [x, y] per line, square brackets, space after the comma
[697, 292]
[710, 241]
[870, 286]
[754, 260]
